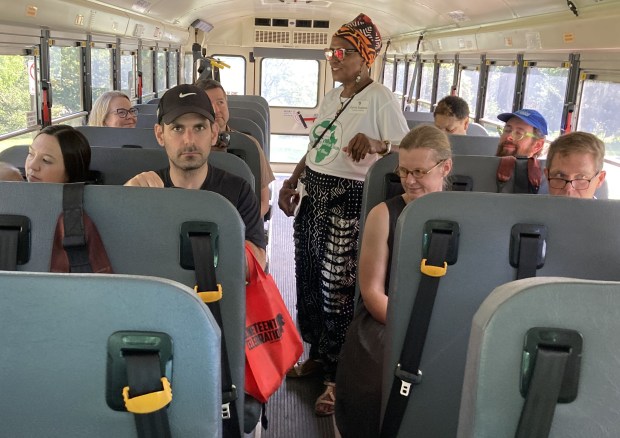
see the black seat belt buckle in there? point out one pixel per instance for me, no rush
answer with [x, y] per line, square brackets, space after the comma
[407, 379]
[227, 398]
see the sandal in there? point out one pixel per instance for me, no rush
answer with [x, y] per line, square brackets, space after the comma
[306, 368]
[324, 405]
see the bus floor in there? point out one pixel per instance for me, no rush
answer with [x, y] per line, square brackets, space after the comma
[290, 410]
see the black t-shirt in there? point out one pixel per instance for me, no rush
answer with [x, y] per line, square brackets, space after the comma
[238, 192]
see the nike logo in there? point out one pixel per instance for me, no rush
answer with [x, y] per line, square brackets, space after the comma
[182, 95]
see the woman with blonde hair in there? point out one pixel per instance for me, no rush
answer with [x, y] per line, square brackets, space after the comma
[424, 162]
[113, 109]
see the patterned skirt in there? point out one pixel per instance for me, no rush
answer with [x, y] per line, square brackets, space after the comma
[326, 233]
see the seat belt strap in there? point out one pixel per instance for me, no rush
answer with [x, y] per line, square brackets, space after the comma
[74, 241]
[202, 251]
[407, 371]
[543, 393]
[144, 379]
[8, 244]
[528, 256]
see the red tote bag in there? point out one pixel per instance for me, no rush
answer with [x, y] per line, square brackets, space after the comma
[272, 343]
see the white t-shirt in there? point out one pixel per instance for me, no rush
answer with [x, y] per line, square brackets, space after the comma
[374, 111]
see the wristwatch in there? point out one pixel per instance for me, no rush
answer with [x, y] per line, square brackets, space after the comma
[388, 148]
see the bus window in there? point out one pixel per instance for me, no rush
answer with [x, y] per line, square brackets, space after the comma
[17, 94]
[188, 68]
[233, 78]
[544, 91]
[161, 71]
[290, 82]
[128, 75]
[446, 78]
[426, 87]
[287, 148]
[388, 73]
[500, 92]
[468, 87]
[173, 69]
[147, 73]
[598, 114]
[101, 71]
[66, 80]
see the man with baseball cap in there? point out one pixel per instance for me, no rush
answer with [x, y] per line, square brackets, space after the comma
[523, 135]
[186, 129]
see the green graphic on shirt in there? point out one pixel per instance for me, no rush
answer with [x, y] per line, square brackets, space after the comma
[328, 142]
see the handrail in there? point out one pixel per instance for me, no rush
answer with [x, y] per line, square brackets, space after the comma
[34, 128]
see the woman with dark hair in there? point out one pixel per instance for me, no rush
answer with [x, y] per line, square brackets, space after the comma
[59, 154]
[358, 123]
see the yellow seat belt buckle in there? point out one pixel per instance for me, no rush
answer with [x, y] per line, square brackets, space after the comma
[210, 296]
[148, 403]
[433, 271]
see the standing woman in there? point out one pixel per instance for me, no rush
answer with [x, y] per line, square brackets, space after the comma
[358, 123]
[424, 162]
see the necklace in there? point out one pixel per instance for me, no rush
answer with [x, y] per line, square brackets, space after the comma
[343, 101]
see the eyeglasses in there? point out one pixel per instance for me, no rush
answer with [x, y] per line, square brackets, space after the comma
[516, 134]
[338, 53]
[578, 184]
[403, 172]
[123, 113]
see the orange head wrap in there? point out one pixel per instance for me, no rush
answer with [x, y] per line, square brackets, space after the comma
[364, 35]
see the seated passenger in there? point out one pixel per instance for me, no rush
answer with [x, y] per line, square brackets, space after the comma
[452, 115]
[186, 129]
[575, 165]
[113, 109]
[219, 100]
[424, 162]
[8, 172]
[58, 154]
[523, 135]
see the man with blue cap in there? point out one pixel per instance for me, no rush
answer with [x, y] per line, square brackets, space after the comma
[523, 135]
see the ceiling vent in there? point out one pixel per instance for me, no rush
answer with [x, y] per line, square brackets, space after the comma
[310, 38]
[272, 36]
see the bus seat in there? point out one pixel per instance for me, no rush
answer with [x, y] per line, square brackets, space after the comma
[146, 121]
[257, 106]
[476, 129]
[120, 137]
[577, 230]
[146, 108]
[473, 145]
[419, 116]
[263, 119]
[141, 228]
[54, 339]
[236, 98]
[244, 148]
[115, 166]
[153, 101]
[250, 127]
[496, 349]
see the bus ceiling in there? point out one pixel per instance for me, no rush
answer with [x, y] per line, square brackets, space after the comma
[447, 26]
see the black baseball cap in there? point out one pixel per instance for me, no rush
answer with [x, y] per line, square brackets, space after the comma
[184, 99]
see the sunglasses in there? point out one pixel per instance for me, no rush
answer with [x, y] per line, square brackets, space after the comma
[339, 54]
